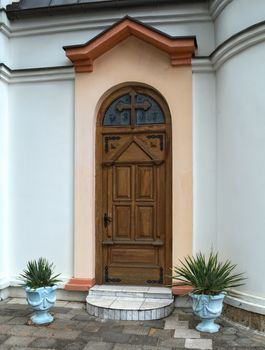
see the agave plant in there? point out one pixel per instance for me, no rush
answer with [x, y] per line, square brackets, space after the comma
[208, 276]
[39, 273]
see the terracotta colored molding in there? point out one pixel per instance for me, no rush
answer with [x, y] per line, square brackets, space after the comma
[80, 284]
[180, 49]
[181, 290]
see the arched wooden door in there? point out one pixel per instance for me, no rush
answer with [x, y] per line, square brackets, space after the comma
[133, 189]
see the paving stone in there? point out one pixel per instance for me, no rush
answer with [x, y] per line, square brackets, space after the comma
[228, 330]
[98, 346]
[91, 327]
[186, 333]
[5, 329]
[63, 316]
[202, 344]
[21, 330]
[5, 319]
[90, 336]
[83, 317]
[76, 305]
[138, 330]
[43, 343]
[113, 337]
[148, 347]
[173, 324]
[143, 340]
[114, 328]
[72, 345]
[18, 320]
[18, 341]
[154, 324]
[127, 347]
[161, 333]
[56, 333]
[19, 301]
[3, 338]
[171, 343]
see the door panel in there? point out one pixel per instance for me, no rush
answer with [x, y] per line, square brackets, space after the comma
[144, 222]
[122, 222]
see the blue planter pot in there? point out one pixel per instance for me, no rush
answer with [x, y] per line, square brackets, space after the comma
[41, 300]
[208, 308]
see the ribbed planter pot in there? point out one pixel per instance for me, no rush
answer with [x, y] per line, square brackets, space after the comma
[41, 300]
[208, 308]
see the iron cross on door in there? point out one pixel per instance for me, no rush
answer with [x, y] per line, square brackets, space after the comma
[133, 106]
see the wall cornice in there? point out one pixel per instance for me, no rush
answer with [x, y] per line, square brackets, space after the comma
[217, 6]
[231, 47]
[201, 65]
[35, 75]
[70, 24]
[237, 43]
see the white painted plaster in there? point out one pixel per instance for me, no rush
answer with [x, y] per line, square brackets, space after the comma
[236, 16]
[4, 142]
[41, 121]
[241, 164]
[204, 162]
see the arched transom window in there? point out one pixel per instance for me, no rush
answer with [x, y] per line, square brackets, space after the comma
[133, 109]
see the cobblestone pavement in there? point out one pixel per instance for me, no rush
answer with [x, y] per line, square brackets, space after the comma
[74, 329]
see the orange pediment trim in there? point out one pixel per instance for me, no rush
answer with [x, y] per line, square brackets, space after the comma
[180, 49]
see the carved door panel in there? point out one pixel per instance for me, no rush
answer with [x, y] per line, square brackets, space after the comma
[133, 240]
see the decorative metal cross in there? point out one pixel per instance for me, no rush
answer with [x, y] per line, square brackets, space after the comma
[133, 106]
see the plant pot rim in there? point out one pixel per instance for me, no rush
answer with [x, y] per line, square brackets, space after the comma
[29, 289]
[221, 295]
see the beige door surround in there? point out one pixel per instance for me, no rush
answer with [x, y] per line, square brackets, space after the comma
[130, 53]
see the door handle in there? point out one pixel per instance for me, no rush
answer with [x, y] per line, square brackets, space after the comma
[106, 220]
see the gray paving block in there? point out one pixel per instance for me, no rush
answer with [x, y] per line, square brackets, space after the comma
[137, 330]
[127, 347]
[98, 346]
[19, 341]
[113, 337]
[186, 333]
[171, 343]
[202, 344]
[43, 343]
[143, 340]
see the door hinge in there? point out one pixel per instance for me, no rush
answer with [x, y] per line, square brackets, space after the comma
[108, 279]
[160, 281]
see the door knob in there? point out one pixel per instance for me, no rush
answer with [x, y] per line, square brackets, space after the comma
[106, 220]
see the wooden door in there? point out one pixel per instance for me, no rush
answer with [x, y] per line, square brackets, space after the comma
[134, 189]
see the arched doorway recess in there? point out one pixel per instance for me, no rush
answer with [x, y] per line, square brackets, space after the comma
[134, 188]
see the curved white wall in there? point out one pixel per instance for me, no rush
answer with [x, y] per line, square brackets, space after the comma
[237, 16]
[241, 164]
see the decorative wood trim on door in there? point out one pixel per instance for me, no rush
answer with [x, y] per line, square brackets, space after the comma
[179, 49]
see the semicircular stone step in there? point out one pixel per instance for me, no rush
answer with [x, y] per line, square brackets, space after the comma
[130, 302]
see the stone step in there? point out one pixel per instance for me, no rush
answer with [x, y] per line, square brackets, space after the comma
[131, 291]
[129, 302]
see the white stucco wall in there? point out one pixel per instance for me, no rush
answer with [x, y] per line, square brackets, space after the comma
[236, 16]
[241, 164]
[3, 181]
[41, 120]
[204, 162]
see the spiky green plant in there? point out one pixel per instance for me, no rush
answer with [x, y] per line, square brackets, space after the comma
[207, 276]
[39, 273]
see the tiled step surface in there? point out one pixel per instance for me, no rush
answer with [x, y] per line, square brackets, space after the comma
[129, 302]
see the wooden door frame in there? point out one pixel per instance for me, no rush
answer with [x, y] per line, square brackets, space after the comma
[98, 199]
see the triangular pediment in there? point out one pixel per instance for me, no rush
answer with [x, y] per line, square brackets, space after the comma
[180, 49]
[132, 153]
